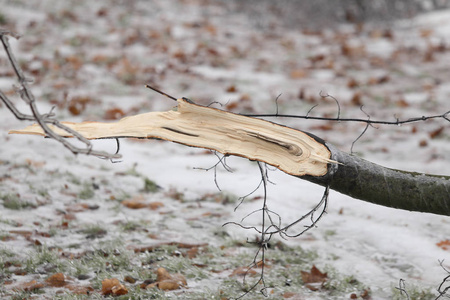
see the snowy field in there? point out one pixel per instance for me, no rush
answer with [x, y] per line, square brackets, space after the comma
[92, 220]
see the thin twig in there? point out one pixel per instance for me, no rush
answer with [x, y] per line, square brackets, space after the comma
[445, 116]
[42, 119]
[161, 92]
[444, 287]
[402, 288]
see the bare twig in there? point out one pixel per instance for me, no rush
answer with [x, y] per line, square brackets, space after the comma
[223, 162]
[44, 120]
[444, 287]
[445, 116]
[402, 288]
[364, 131]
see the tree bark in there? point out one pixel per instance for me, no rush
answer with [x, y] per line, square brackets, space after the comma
[367, 181]
[295, 152]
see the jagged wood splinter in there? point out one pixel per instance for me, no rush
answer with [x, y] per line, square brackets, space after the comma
[290, 150]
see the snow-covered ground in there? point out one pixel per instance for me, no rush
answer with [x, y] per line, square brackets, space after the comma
[89, 57]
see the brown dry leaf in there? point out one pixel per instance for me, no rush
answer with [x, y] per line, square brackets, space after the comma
[378, 80]
[162, 274]
[79, 289]
[298, 74]
[175, 194]
[301, 94]
[113, 287]
[211, 29]
[314, 276]
[231, 89]
[192, 253]
[168, 285]
[78, 104]
[30, 286]
[118, 290]
[129, 279]
[232, 105]
[316, 58]
[423, 143]
[325, 127]
[56, 280]
[78, 207]
[114, 114]
[352, 50]
[155, 205]
[136, 202]
[402, 103]
[445, 245]
[75, 62]
[366, 294]
[352, 83]
[356, 99]
[435, 133]
[429, 55]
[168, 282]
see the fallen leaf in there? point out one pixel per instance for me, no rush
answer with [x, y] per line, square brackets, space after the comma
[356, 99]
[314, 276]
[56, 280]
[114, 114]
[155, 205]
[423, 143]
[436, 133]
[168, 285]
[136, 202]
[79, 289]
[402, 103]
[162, 274]
[113, 287]
[168, 282]
[78, 104]
[192, 253]
[30, 286]
[231, 89]
[445, 245]
[352, 83]
[129, 279]
[298, 74]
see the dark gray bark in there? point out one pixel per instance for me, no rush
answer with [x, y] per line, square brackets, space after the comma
[373, 183]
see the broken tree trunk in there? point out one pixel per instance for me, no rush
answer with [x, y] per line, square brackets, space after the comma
[295, 152]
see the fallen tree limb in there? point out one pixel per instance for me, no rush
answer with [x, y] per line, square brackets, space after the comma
[295, 152]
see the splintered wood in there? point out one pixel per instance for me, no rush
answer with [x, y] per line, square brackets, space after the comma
[290, 150]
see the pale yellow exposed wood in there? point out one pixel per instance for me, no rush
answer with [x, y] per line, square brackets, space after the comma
[290, 150]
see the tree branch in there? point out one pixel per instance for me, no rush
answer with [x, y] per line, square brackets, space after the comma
[295, 152]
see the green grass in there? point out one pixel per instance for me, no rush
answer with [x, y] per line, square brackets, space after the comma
[13, 201]
[93, 231]
[87, 192]
[414, 293]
